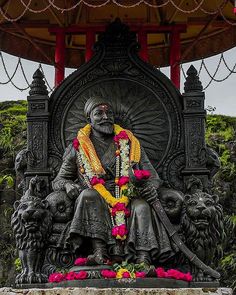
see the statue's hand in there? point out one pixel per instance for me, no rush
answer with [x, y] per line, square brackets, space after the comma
[149, 193]
[72, 190]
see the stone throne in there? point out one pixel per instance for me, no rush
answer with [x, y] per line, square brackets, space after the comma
[170, 126]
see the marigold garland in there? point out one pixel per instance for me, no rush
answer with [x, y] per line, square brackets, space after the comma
[107, 196]
[91, 155]
[128, 150]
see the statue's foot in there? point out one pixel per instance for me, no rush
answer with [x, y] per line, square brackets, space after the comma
[35, 277]
[143, 257]
[21, 278]
[99, 257]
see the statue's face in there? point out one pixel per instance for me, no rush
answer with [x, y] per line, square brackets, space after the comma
[102, 119]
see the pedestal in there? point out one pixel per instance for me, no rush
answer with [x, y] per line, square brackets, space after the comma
[117, 291]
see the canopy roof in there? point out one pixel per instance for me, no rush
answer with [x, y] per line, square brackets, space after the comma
[26, 26]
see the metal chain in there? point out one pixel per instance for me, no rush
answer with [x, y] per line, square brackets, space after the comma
[226, 65]
[212, 76]
[4, 66]
[11, 77]
[46, 81]
[23, 72]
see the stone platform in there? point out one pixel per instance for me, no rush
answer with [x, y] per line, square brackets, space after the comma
[116, 291]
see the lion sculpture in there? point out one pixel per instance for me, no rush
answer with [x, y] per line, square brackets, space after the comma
[31, 223]
[202, 224]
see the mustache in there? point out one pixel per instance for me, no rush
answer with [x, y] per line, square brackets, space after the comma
[105, 122]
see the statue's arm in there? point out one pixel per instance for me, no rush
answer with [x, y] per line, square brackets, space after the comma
[145, 164]
[68, 171]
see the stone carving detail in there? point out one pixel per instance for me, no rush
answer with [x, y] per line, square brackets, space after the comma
[193, 103]
[38, 86]
[192, 81]
[54, 162]
[197, 158]
[31, 223]
[59, 258]
[35, 107]
[37, 144]
[172, 202]
[172, 171]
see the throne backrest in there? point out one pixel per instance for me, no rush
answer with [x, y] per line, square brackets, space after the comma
[144, 101]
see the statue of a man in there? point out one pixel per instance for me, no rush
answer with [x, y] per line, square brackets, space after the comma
[95, 172]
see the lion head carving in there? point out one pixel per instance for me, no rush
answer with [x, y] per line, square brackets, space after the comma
[31, 222]
[202, 224]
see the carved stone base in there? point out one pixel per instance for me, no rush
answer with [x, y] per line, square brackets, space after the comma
[124, 291]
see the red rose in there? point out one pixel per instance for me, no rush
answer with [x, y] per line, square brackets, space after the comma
[138, 174]
[56, 277]
[108, 274]
[174, 274]
[187, 277]
[120, 230]
[95, 180]
[126, 275]
[80, 261]
[141, 174]
[121, 135]
[81, 275]
[123, 230]
[123, 180]
[146, 174]
[140, 274]
[115, 231]
[76, 143]
[161, 272]
[70, 276]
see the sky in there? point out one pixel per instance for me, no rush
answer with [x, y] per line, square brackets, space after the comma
[220, 95]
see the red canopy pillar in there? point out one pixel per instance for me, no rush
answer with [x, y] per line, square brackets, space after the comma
[142, 39]
[175, 57]
[90, 40]
[60, 57]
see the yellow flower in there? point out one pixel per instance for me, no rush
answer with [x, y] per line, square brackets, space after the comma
[107, 196]
[119, 274]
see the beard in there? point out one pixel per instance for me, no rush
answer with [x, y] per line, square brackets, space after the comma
[104, 128]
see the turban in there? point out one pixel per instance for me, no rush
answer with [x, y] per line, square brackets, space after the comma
[92, 103]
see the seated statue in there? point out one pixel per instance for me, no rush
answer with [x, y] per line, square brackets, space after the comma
[112, 217]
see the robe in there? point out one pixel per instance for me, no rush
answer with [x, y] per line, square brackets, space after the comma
[92, 218]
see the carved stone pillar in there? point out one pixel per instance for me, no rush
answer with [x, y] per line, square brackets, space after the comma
[37, 130]
[194, 123]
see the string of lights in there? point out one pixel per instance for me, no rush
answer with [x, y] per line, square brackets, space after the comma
[51, 4]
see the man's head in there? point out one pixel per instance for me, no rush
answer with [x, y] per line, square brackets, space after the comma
[100, 115]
